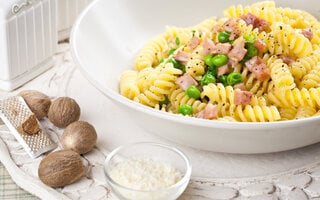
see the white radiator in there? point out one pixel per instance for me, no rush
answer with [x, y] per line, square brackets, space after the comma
[28, 39]
[29, 33]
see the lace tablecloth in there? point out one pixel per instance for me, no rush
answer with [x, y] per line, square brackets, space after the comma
[286, 175]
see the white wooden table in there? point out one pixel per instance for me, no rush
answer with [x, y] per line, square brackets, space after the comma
[286, 175]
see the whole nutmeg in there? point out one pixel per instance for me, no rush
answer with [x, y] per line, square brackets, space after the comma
[63, 111]
[61, 168]
[79, 136]
[38, 102]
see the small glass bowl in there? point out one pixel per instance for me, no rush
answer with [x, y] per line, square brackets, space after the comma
[158, 152]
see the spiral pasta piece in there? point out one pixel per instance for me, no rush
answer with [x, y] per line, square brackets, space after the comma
[303, 65]
[239, 10]
[226, 119]
[283, 39]
[259, 113]
[253, 85]
[163, 107]
[295, 17]
[295, 97]
[249, 113]
[196, 68]
[304, 112]
[314, 24]
[151, 53]
[218, 93]
[128, 86]
[265, 10]
[312, 79]
[288, 113]
[156, 83]
[184, 34]
[280, 73]
[248, 29]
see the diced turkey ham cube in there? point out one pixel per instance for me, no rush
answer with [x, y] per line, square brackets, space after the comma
[243, 97]
[181, 56]
[255, 21]
[307, 32]
[209, 112]
[263, 25]
[221, 48]
[252, 62]
[208, 45]
[287, 59]
[240, 86]
[225, 69]
[238, 51]
[194, 42]
[258, 67]
[185, 81]
[261, 72]
[260, 45]
[216, 29]
[232, 26]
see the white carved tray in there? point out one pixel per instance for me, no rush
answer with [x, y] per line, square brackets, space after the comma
[286, 175]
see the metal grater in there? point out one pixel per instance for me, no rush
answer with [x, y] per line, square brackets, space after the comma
[14, 111]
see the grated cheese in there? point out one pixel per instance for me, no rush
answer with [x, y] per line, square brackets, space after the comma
[145, 174]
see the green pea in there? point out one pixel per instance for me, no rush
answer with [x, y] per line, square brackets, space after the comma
[207, 78]
[223, 37]
[193, 92]
[212, 70]
[219, 60]
[234, 78]
[252, 50]
[208, 60]
[223, 79]
[172, 51]
[250, 38]
[185, 109]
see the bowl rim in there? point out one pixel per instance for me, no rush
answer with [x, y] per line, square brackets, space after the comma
[118, 98]
[185, 179]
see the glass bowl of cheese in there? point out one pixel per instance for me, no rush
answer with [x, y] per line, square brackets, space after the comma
[147, 170]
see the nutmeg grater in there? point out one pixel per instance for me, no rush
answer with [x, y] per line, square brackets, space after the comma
[13, 112]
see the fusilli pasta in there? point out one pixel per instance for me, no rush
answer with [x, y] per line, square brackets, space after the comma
[261, 63]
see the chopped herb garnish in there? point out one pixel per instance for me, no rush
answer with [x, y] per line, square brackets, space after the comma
[172, 51]
[193, 33]
[164, 102]
[177, 41]
[249, 38]
[176, 64]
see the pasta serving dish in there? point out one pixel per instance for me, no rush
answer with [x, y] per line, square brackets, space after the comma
[236, 77]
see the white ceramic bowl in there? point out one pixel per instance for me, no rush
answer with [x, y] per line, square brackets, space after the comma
[108, 34]
[144, 151]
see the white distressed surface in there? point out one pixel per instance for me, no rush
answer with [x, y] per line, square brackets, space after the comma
[285, 175]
